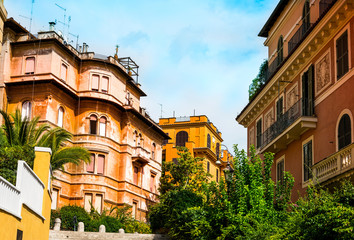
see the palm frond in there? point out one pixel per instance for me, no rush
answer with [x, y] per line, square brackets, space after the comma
[8, 128]
[69, 155]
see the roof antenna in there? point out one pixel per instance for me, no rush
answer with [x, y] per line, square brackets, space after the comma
[64, 23]
[31, 16]
[161, 109]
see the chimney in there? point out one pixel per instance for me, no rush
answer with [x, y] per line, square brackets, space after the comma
[80, 49]
[83, 47]
[51, 26]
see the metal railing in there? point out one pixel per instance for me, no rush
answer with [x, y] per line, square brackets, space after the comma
[299, 36]
[324, 5]
[335, 164]
[282, 123]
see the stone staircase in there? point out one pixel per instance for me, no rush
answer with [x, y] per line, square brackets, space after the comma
[70, 235]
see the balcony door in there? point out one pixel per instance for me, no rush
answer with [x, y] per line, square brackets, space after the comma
[308, 92]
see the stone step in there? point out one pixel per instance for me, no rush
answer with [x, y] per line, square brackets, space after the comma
[70, 235]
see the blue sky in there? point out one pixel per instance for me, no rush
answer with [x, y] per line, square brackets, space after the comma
[193, 55]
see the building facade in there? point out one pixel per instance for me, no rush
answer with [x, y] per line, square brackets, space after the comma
[97, 98]
[304, 111]
[202, 139]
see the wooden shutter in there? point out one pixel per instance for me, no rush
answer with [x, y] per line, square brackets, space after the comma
[94, 82]
[88, 202]
[103, 123]
[181, 138]
[311, 103]
[135, 177]
[100, 164]
[304, 94]
[104, 84]
[344, 132]
[29, 65]
[91, 166]
[55, 194]
[98, 203]
[259, 133]
[208, 141]
[63, 71]
[208, 167]
[152, 183]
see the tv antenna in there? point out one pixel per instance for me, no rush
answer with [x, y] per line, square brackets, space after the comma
[29, 18]
[161, 109]
[64, 23]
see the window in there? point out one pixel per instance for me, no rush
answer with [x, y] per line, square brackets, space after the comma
[94, 82]
[153, 151]
[217, 175]
[98, 202]
[103, 122]
[104, 84]
[342, 55]
[181, 138]
[29, 65]
[90, 168]
[60, 116]
[217, 150]
[279, 106]
[306, 17]
[55, 194]
[208, 141]
[63, 71]
[87, 202]
[280, 170]
[135, 138]
[26, 110]
[19, 235]
[93, 124]
[134, 209]
[344, 132]
[308, 92]
[208, 167]
[280, 51]
[259, 133]
[100, 164]
[136, 175]
[307, 160]
[152, 183]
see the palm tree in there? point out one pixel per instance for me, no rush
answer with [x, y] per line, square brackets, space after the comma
[18, 131]
[55, 139]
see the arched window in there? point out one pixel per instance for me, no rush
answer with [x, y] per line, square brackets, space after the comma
[280, 51]
[306, 16]
[153, 150]
[60, 116]
[208, 141]
[93, 124]
[344, 132]
[26, 110]
[181, 138]
[140, 140]
[103, 123]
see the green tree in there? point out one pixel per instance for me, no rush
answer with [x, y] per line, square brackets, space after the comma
[259, 81]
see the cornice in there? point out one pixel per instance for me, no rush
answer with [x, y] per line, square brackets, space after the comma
[339, 15]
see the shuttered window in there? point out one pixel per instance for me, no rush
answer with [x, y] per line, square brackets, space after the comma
[344, 132]
[208, 141]
[63, 71]
[280, 170]
[55, 194]
[90, 167]
[94, 82]
[342, 55]
[104, 84]
[279, 108]
[280, 51]
[153, 150]
[181, 138]
[152, 183]
[100, 164]
[217, 150]
[103, 123]
[217, 175]
[88, 202]
[29, 65]
[208, 167]
[98, 202]
[259, 133]
[60, 116]
[307, 160]
[136, 175]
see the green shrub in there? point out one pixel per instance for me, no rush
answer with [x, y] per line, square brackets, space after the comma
[67, 214]
[136, 226]
[53, 215]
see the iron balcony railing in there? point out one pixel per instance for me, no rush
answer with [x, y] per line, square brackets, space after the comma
[282, 123]
[298, 37]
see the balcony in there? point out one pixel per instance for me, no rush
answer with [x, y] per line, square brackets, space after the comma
[140, 155]
[288, 127]
[335, 165]
[299, 35]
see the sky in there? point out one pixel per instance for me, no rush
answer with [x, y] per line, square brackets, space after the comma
[194, 56]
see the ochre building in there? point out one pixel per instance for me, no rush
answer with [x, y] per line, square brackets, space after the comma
[95, 97]
[304, 111]
[201, 138]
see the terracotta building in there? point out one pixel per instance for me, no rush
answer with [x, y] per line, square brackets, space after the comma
[202, 139]
[304, 111]
[95, 97]
[3, 14]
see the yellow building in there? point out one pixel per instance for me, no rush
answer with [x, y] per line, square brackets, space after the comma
[25, 208]
[202, 139]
